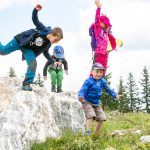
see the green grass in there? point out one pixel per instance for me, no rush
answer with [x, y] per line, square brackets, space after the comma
[78, 141]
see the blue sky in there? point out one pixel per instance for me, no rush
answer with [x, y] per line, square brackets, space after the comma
[129, 19]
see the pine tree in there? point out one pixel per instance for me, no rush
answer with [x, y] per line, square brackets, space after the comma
[145, 83]
[39, 81]
[123, 103]
[107, 100]
[11, 72]
[132, 94]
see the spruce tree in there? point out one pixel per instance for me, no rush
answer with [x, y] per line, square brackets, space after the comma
[132, 94]
[107, 100]
[11, 72]
[39, 81]
[145, 83]
[123, 103]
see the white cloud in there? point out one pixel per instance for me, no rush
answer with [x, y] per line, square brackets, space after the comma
[7, 3]
[128, 18]
[124, 61]
[130, 22]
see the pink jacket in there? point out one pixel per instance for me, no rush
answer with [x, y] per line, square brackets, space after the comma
[101, 35]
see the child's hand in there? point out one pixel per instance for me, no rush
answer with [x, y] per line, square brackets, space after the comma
[38, 7]
[108, 51]
[98, 4]
[45, 77]
[119, 42]
[119, 97]
[66, 71]
[81, 99]
[55, 63]
[59, 63]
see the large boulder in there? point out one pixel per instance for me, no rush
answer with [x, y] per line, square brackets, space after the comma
[26, 117]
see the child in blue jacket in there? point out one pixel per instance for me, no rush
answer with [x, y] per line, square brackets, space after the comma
[90, 94]
[32, 43]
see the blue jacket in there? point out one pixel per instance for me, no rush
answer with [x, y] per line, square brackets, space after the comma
[91, 90]
[27, 36]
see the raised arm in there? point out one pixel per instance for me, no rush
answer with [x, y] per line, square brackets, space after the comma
[98, 11]
[37, 23]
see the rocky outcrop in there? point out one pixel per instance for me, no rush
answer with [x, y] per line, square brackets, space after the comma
[26, 117]
[125, 132]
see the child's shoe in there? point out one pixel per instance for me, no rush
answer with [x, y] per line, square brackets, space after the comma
[26, 87]
[88, 133]
[53, 89]
[59, 90]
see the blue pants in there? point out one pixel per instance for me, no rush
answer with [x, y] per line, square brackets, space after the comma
[28, 55]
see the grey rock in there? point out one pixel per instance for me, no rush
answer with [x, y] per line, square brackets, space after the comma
[26, 117]
[145, 139]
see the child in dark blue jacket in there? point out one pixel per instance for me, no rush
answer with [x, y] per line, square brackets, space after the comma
[32, 43]
[90, 94]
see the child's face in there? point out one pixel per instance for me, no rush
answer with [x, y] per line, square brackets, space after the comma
[53, 39]
[97, 73]
[103, 26]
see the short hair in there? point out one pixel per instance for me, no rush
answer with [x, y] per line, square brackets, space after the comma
[57, 32]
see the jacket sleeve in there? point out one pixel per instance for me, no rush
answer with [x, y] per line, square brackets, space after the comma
[48, 56]
[97, 18]
[37, 23]
[108, 90]
[45, 68]
[65, 64]
[97, 28]
[84, 88]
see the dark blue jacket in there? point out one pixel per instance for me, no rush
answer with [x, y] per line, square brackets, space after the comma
[27, 36]
[91, 90]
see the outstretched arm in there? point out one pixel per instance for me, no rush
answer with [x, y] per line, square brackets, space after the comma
[108, 90]
[112, 92]
[37, 23]
[48, 56]
[98, 11]
[45, 68]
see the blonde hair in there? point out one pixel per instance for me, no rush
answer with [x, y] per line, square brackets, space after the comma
[57, 32]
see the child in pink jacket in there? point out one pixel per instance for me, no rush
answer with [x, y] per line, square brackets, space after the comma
[102, 29]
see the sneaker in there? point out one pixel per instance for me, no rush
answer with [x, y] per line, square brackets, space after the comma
[26, 87]
[53, 89]
[59, 90]
[88, 132]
